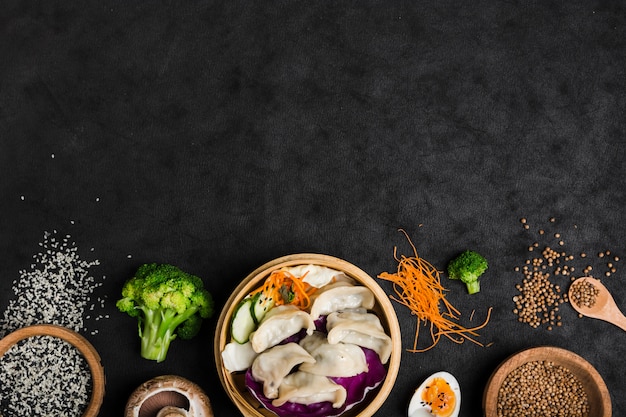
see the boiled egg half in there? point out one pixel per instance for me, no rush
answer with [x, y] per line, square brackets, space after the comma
[439, 395]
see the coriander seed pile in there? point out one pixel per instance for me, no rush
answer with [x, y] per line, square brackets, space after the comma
[539, 300]
[547, 270]
[542, 389]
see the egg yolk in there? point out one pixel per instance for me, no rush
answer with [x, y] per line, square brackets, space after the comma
[440, 397]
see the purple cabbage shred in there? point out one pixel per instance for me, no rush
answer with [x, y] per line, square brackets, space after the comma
[356, 387]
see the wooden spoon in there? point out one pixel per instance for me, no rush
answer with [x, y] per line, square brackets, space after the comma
[604, 307]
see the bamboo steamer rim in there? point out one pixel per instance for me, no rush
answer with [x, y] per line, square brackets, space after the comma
[79, 342]
[248, 405]
[595, 388]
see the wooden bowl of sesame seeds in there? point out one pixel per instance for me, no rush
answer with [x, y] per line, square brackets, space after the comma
[546, 381]
[51, 370]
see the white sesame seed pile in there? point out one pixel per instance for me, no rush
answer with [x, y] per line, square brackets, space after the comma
[56, 289]
[44, 376]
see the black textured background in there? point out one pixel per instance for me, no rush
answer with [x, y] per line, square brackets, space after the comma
[220, 135]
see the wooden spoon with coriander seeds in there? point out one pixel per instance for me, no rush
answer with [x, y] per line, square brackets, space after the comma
[591, 298]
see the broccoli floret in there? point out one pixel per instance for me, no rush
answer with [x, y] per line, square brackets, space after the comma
[468, 267]
[167, 303]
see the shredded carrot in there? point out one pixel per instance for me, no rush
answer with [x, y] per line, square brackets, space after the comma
[280, 283]
[417, 285]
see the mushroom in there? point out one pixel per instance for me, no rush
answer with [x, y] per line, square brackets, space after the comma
[168, 396]
[171, 411]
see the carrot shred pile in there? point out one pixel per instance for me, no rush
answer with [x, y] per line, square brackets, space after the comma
[285, 288]
[417, 285]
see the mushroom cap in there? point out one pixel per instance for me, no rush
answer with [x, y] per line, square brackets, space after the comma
[168, 394]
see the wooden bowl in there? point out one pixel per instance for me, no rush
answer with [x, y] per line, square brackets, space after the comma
[79, 342]
[234, 383]
[592, 382]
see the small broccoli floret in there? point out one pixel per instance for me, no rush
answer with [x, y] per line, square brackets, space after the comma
[190, 328]
[468, 267]
[167, 303]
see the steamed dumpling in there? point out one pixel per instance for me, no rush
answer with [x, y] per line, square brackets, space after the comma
[318, 275]
[364, 330]
[238, 356]
[271, 366]
[333, 360]
[278, 324]
[305, 388]
[340, 296]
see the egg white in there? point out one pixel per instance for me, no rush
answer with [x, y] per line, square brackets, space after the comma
[418, 409]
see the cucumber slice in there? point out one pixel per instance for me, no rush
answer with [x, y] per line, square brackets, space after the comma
[243, 323]
[260, 306]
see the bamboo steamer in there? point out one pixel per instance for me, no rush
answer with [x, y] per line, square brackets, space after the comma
[80, 343]
[593, 384]
[234, 383]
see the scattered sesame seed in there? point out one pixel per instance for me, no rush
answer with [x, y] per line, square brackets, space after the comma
[56, 289]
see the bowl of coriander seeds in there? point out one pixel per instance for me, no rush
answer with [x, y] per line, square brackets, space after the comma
[546, 381]
[49, 370]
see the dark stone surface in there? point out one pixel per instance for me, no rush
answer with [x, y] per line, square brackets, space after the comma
[220, 135]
